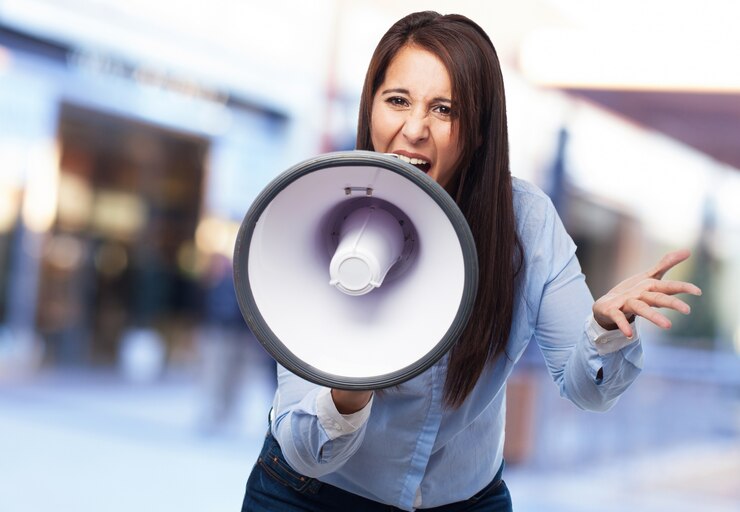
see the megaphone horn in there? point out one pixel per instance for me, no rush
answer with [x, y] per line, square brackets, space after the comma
[355, 270]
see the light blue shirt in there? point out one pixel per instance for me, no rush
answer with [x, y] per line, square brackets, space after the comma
[406, 448]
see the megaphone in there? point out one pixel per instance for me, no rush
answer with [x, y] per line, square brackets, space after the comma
[355, 270]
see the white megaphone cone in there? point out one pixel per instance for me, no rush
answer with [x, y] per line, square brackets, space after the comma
[355, 270]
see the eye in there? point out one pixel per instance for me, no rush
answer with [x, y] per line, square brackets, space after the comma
[397, 101]
[444, 110]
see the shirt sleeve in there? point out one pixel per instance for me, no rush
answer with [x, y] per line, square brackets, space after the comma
[606, 341]
[591, 367]
[314, 437]
[336, 424]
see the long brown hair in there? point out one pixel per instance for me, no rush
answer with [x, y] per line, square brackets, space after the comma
[482, 182]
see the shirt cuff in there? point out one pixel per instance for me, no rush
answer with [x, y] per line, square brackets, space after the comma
[607, 342]
[336, 424]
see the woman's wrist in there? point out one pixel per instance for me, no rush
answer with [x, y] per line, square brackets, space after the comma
[349, 402]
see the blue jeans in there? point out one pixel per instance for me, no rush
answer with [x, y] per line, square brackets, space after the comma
[274, 486]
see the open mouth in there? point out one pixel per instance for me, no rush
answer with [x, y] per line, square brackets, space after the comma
[420, 164]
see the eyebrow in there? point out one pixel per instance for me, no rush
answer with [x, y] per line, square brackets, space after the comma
[400, 90]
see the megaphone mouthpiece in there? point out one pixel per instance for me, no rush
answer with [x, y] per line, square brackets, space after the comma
[370, 243]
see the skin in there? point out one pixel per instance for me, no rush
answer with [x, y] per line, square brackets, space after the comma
[412, 115]
[413, 112]
[640, 294]
[348, 402]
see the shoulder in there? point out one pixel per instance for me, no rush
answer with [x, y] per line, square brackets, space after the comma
[524, 191]
[546, 244]
[532, 208]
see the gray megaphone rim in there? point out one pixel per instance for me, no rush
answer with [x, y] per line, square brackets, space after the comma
[265, 335]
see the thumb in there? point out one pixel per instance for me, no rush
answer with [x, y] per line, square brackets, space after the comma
[667, 262]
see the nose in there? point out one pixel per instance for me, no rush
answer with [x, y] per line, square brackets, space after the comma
[416, 127]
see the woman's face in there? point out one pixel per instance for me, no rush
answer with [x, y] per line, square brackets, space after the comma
[413, 112]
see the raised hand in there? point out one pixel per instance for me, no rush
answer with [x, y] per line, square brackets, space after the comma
[641, 294]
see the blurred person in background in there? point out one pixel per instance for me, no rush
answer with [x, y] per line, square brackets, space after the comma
[222, 346]
[434, 95]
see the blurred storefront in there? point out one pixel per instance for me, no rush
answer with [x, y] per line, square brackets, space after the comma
[119, 181]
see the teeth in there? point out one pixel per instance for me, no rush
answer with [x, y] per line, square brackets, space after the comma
[413, 161]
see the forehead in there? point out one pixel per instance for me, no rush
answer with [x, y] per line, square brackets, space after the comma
[419, 71]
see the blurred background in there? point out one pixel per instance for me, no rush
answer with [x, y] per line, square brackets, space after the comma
[134, 136]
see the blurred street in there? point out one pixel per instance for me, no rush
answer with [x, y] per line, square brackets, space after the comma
[81, 440]
[86, 441]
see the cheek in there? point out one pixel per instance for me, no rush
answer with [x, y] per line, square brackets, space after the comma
[378, 132]
[448, 153]
[453, 145]
[446, 144]
[374, 138]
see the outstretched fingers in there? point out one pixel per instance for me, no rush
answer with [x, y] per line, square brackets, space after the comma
[640, 308]
[642, 294]
[670, 287]
[655, 293]
[661, 300]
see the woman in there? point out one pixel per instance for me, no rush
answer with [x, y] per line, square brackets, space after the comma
[434, 95]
